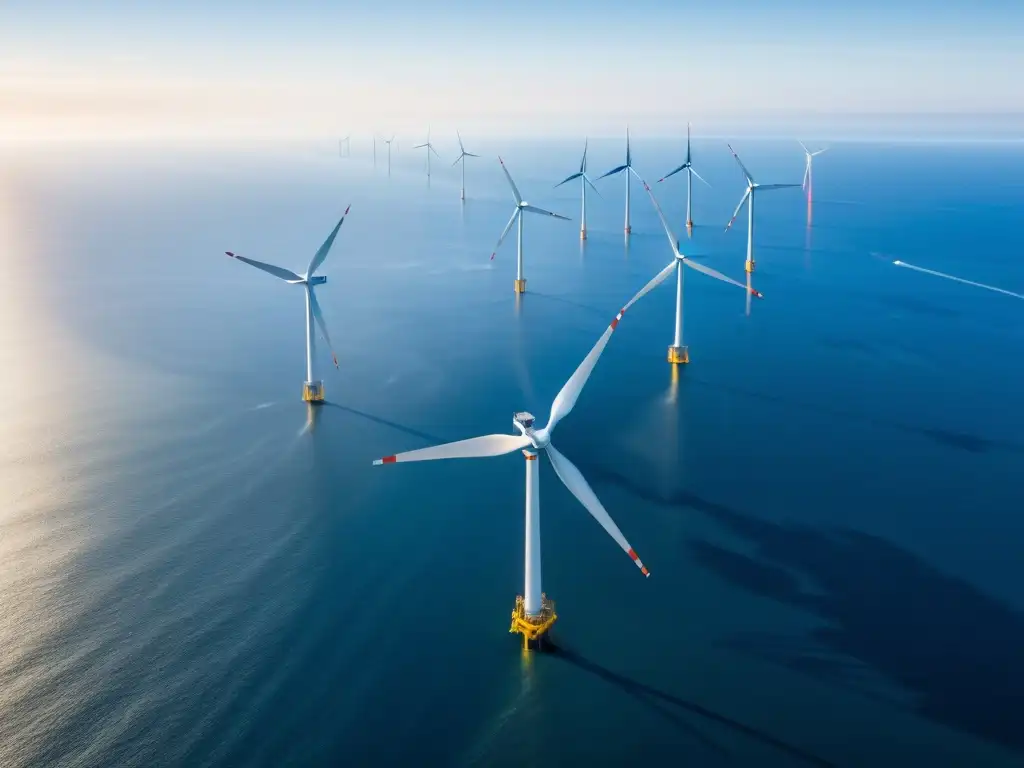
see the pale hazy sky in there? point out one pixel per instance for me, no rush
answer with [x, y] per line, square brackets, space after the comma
[308, 68]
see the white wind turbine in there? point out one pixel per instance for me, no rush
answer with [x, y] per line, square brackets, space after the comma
[808, 175]
[748, 197]
[430, 148]
[463, 154]
[344, 147]
[388, 142]
[628, 168]
[312, 390]
[581, 174]
[679, 352]
[690, 173]
[517, 215]
[534, 613]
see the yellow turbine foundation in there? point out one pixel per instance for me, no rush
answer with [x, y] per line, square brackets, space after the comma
[313, 391]
[749, 266]
[583, 234]
[533, 628]
[521, 286]
[679, 355]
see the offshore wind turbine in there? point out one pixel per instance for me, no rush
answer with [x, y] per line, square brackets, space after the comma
[388, 142]
[690, 173]
[748, 197]
[344, 147]
[679, 353]
[517, 215]
[430, 148]
[628, 168]
[312, 389]
[534, 613]
[581, 174]
[808, 183]
[463, 154]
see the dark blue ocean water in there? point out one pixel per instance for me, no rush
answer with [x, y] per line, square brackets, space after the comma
[195, 569]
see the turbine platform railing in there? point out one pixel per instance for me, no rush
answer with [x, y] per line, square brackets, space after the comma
[533, 628]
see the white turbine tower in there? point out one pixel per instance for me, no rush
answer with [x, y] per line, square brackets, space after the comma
[463, 154]
[430, 148]
[808, 183]
[679, 353]
[517, 215]
[581, 174]
[388, 142]
[628, 168]
[312, 390]
[690, 173]
[534, 612]
[748, 197]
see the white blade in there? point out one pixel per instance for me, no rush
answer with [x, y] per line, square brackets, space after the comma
[750, 179]
[470, 154]
[738, 208]
[803, 147]
[459, 158]
[320, 255]
[664, 222]
[698, 176]
[418, 146]
[565, 400]
[431, 148]
[515, 189]
[319, 317]
[578, 487]
[776, 186]
[535, 209]
[587, 179]
[284, 274]
[719, 276]
[462, 149]
[505, 232]
[613, 171]
[807, 171]
[815, 154]
[473, 448]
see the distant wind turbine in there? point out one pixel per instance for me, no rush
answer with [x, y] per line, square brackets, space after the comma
[690, 173]
[375, 150]
[430, 148]
[584, 180]
[748, 197]
[808, 182]
[517, 215]
[344, 148]
[463, 154]
[312, 390]
[628, 168]
[388, 142]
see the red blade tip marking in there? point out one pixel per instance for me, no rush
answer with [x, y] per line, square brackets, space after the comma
[229, 253]
[346, 210]
[759, 294]
[633, 555]
[644, 571]
[493, 255]
[389, 460]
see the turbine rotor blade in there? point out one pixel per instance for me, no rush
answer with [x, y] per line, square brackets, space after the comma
[573, 479]
[321, 254]
[815, 154]
[431, 148]
[672, 173]
[568, 178]
[470, 154]
[776, 186]
[587, 179]
[807, 172]
[284, 274]
[699, 176]
[461, 148]
[804, 148]
[515, 189]
[319, 317]
[738, 207]
[508, 226]
[613, 171]
[459, 158]
[719, 276]
[673, 242]
[565, 400]
[473, 448]
[535, 209]
[750, 179]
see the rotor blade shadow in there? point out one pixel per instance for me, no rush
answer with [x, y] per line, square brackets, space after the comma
[651, 694]
[385, 423]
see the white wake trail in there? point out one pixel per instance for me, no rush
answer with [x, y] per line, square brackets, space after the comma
[958, 279]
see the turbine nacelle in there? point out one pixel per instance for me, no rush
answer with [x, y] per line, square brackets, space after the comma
[316, 280]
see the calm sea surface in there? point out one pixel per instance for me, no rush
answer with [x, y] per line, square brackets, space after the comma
[195, 569]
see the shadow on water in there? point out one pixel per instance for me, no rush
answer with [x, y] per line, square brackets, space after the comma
[957, 649]
[385, 423]
[668, 705]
